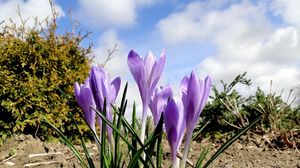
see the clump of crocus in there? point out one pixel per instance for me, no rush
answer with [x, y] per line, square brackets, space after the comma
[195, 93]
[102, 90]
[183, 116]
[85, 99]
[93, 92]
[146, 74]
[175, 126]
[159, 101]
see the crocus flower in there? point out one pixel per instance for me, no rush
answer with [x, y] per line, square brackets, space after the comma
[102, 90]
[195, 93]
[194, 96]
[84, 98]
[146, 74]
[159, 101]
[175, 126]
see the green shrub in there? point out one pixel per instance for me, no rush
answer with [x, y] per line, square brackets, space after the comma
[278, 115]
[229, 111]
[225, 112]
[33, 64]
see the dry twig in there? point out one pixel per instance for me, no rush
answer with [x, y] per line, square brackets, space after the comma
[44, 154]
[7, 159]
[40, 163]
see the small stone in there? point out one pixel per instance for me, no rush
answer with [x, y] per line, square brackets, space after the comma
[8, 163]
[239, 146]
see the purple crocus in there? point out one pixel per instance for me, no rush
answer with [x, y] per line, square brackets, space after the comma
[103, 89]
[84, 97]
[175, 126]
[146, 74]
[159, 101]
[194, 96]
[195, 93]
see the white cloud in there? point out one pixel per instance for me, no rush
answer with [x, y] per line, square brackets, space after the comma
[145, 2]
[194, 24]
[117, 66]
[289, 10]
[182, 26]
[113, 13]
[100, 13]
[282, 47]
[245, 40]
[29, 9]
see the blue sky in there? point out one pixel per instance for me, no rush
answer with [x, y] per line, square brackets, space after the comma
[220, 38]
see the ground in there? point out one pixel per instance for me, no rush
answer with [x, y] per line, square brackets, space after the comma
[19, 152]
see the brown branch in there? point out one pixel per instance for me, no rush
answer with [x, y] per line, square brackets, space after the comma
[40, 163]
[110, 53]
[7, 159]
[44, 154]
[189, 162]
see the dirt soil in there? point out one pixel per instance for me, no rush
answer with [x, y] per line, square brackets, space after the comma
[25, 151]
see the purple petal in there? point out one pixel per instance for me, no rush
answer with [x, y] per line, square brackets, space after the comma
[115, 87]
[159, 100]
[136, 67]
[105, 89]
[89, 113]
[207, 88]
[193, 99]
[84, 97]
[175, 125]
[156, 71]
[96, 77]
[183, 87]
[153, 105]
[76, 90]
[149, 62]
[171, 116]
[184, 84]
[109, 129]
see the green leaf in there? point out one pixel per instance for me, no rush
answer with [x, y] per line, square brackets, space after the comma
[118, 132]
[196, 134]
[67, 142]
[157, 132]
[86, 152]
[80, 114]
[159, 151]
[121, 114]
[201, 157]
[133, 124]
[103, 138]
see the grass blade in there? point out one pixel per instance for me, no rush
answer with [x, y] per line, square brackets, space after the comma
[122, 110]
[201, 158]
[67, 142]
[121, 136]
[137, 156]
[133, 124]
[199, 131]
[103, 138]
[86, 152]
[74, 106]
[159, 150]
[157, 131]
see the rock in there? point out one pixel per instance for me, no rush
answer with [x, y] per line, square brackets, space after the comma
[8, 163]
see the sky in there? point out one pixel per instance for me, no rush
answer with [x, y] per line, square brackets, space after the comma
[219, 38]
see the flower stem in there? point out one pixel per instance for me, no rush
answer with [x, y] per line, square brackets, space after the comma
[144, 118]
[175, 162]
[143, 129]
[186, 148]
